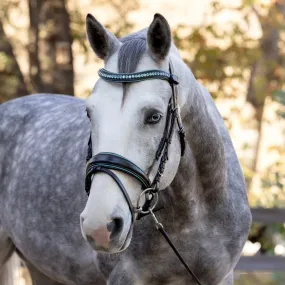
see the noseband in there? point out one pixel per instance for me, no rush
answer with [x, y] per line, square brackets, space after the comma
[106, 162]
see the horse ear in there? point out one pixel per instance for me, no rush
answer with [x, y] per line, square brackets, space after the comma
[159, 37]
[102, 41]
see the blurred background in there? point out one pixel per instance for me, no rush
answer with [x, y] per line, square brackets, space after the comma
[236, 48]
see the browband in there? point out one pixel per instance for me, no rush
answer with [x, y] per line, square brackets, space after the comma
[137, 76]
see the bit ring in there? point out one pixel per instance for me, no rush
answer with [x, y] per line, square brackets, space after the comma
[153, 198]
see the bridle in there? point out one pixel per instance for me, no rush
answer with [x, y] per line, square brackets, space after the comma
[106, 161]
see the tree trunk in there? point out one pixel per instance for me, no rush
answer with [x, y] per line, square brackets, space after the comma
[33, 48]
[259, 116]
[51, 61]
[11, 78]
[263, 78]
[57, 61]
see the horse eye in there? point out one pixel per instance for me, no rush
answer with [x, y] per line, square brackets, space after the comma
[153, 118]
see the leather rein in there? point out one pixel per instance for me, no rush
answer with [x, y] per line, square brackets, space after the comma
[106, 161]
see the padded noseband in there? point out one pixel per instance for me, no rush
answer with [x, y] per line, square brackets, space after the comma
[107, 161]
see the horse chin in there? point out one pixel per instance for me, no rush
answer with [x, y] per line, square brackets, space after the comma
[111, 249]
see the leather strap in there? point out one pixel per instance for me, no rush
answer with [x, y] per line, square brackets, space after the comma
[181, 131]
[95, 169]
[160, 228]
[192, 274]
[137, 76]
[172, 115]
[117, 162]
[89, 149]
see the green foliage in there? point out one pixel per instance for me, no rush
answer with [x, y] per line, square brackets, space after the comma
[260, 278]
[273, 179]
[11, 79]
[77, 27]
[219, 54]
[279, 96]
[6, 6]
[226, 58]
[119, 24]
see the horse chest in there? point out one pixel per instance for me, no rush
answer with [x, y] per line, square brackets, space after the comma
[176, 280]
[205, 255]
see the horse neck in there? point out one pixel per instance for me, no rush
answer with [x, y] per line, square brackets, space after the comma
[205, 143]
[201, 177]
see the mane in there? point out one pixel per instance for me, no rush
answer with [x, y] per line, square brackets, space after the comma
[131, 51]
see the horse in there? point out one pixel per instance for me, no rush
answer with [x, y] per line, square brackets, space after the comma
[43, 144]
[198, 179]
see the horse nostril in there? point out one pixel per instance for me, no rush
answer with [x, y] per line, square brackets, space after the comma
[115, 227]
[89, 239]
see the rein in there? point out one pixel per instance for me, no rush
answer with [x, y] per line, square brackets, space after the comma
[106, 162]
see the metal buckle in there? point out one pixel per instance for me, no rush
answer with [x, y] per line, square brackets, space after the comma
[158, 225]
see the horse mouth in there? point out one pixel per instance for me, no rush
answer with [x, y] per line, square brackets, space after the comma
[127, 239]
[115, 245]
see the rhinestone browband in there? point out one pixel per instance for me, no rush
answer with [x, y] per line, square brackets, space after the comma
[137, 76]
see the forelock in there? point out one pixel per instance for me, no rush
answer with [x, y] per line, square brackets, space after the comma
[131, 51]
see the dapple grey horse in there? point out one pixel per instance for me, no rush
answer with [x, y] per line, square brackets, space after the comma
[43, 148]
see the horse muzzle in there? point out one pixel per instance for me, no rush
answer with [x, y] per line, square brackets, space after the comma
[113, 237]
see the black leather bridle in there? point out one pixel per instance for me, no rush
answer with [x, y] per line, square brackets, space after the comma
[106, 162]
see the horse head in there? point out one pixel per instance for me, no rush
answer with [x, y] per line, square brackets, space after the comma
[129, 121]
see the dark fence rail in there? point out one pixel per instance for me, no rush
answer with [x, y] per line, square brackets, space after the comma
[268, 216]
[264, 263]
[261, 263]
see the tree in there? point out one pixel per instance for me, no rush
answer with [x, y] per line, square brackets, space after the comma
[226, 58]
[268, 72]
[230, 62]
[119, 23]
[50, 49]
[11, 78]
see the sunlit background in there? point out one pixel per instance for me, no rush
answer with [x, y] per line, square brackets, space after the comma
[235, 48]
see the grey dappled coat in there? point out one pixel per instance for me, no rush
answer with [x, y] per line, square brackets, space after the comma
[42, 161]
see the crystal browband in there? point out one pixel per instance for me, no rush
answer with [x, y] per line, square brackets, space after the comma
[137, 76]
